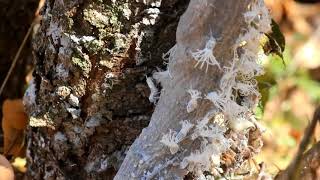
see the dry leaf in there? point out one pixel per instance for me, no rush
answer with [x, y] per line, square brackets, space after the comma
[14, 122]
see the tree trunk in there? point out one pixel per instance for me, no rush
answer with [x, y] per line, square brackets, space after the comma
[221, 19]
[89, 100]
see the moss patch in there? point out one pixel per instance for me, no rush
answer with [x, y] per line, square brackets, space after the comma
[84, 64]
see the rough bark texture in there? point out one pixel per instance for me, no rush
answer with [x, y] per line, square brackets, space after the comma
[89, 99]
[220, 19]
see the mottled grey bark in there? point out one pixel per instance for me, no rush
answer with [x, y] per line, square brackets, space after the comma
[89, 100]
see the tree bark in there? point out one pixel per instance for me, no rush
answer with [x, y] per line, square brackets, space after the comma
[89, 100]
[223, 20]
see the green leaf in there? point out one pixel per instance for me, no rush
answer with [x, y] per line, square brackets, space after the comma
[275, 43]
[265, 82]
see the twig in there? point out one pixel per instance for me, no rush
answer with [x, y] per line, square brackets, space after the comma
[35, 21]
[294, 168]
[16, 57]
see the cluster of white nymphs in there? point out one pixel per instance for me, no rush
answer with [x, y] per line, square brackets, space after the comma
[173, 138]
[160, 77]
[226, 127]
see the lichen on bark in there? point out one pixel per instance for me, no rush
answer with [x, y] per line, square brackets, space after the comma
[91, 99]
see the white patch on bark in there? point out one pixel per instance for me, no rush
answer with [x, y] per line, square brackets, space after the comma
[54, 31]
[62, 71]
[93, 122]
[60, 137]
[75, 113]
[83, 39]
[29, 97]
[73, 100]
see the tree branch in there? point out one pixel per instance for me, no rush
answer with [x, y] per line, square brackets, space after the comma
[220, 19]
[299, 165]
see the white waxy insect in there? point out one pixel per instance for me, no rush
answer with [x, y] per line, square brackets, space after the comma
[205, 56]
[172, 138]
[193, 103]
[170, 141]
[186, 126]
[217, 99]
[154, 93]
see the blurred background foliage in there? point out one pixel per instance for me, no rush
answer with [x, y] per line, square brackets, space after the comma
[290, 92]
